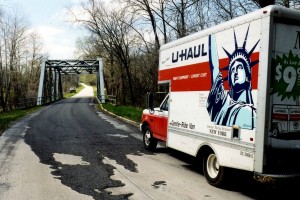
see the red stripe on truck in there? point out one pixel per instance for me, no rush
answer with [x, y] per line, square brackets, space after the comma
[197, 77]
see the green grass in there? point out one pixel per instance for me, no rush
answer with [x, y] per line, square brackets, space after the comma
[128, 112]
[6, 119]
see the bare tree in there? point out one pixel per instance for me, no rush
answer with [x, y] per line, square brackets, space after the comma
[114, 30]
[149, 14]
[202, 13]
[180, 11]
[144, 7]
[16, 48]
[12, 32]
[224, 10]
[32, 58]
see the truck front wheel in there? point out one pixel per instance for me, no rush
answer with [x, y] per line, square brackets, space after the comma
[150, 142]
[213, 172]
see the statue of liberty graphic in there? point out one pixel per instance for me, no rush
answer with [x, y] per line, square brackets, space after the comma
[234, 107]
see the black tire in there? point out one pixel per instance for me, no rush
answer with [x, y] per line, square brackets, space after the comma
[275, 131]
[213, 172]
[150, 143]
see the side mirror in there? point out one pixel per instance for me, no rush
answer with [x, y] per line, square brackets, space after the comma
[150, 99]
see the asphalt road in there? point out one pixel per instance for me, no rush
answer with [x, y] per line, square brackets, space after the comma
[69, 150]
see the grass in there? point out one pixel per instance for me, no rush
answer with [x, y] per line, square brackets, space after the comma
[128, 112]
[6, 119]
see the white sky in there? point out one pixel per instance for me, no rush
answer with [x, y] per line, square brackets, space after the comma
[47, 17]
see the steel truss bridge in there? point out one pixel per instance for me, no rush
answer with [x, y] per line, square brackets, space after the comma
[50, 85]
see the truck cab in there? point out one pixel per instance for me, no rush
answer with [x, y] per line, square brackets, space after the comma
[154, 122]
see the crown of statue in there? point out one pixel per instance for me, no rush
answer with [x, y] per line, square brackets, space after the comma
[240, 53]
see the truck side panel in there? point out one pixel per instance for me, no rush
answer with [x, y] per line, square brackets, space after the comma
[204, 107]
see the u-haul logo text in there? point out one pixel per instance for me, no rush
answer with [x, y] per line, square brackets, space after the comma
[189, 53]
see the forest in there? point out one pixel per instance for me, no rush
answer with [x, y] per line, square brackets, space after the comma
[127, 34]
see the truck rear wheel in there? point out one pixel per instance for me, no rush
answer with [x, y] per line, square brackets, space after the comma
[150, 142]
[213, 172]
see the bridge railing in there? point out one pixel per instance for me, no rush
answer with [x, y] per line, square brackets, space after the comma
[112, 99]
[107, 98]
[27, 102]
[33, 101]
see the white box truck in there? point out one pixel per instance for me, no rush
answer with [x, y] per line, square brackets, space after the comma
[285, 119]
[233, 91]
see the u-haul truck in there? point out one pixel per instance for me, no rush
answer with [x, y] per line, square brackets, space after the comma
[226, 87]
[285, 119]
